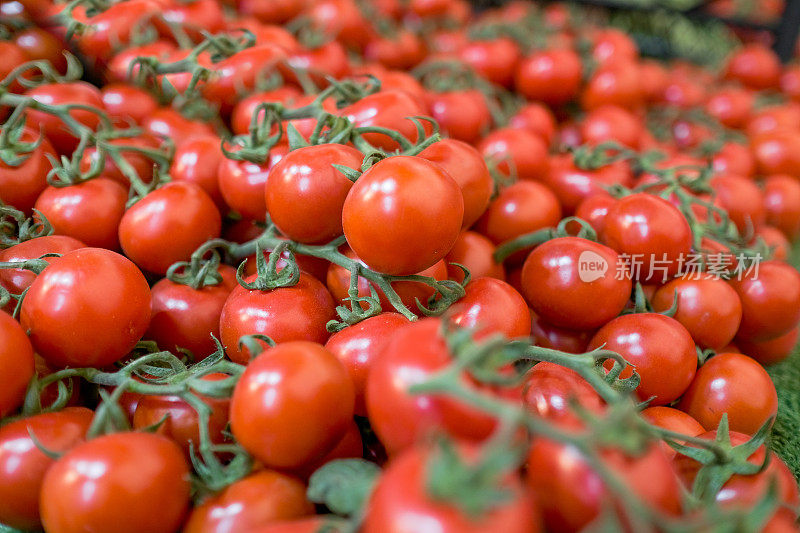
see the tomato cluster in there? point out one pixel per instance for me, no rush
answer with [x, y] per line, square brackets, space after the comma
[389, 266]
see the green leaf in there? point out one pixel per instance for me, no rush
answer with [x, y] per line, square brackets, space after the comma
[343, 485]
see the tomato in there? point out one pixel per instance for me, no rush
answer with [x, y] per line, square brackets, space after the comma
[402, 501]
[777, 152]
[771, 351]
[114, 27]
[495, 59]
[114, 482]
[594, 210]
[183, 317]
[658, 347]
[735, 384]
[707, 307]
[196, 160]
[166, 122]
[258, 499]
[304, 525]
[305, 193]
[612, 123]
[75, 92]
[755, 66]
[193, 18]
[125, 103]
[549, 336]
[89, 308]
[782, 203]
[243, 112]
[774, 119]
[550, 390]
[734, 158]
[573, 185]
[385, 109]
[575, 283]
[21, 185]
[616, 83]
[17, 280]
[403, 50]
[551, 76]
[524, 207]
[295, 313]
[242, 183]
[358, 345]
[341, 19]
[416, 198]
[466, 166]
[266, 33]
[491, 306]
[89, 212]
[790, 82]
[654, 80]
[240, 73]
[350, 446]
[272, 12]
[741, 198]
[536, 118]
[292, 404]
[672, 420]
[15, 56]
[612, 45]
[775, 241]
[23, 464]
[770, 298]
[414, 354]
[119, 68]
[684, 92]
[516, 152]
[462, 115]
[326, 61]
[731, 106]
[571, 495]
[473, 251]
[650, 233]
[16, 364]
[168, 225]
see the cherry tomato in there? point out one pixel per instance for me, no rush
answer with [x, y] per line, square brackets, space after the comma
[350, 446]
[735, 384]
[549, 336]
[536, 118]
[75, 92]
[772, 351]
[615, 83]
[114, 483]
[611, 45]
[403, 50]
[734, 158]
[386, 109]
[125, 103]
[612, 123]
[754, 65]
[474, 251]
[114, 27]
[17, 280]
[782, 204]
[168, 123]
[594, 210]
[673, 420]
[273, 12]
[551, 76]
[242, 183]
[197, 160]
[22, 184]
[495, 59]
[462, 115]
[731, 106]
[516, 152]
[240, 72]
[550, 390]
[16, 363]
[777, 152]
[491, 306]
[292, 404]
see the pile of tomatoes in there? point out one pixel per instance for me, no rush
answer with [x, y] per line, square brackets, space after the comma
[388, 266]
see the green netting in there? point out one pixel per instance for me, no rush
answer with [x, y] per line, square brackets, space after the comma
[786, 432]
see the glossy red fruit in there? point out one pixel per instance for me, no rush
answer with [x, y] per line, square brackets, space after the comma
[673, 420]
[76, 92]
[517, 153]
[16, 363]
[550, 76]
[754, 65]
[549, 336]
[782, 203]
[473, 251]
[772, 351]
[491, 306]
[550, 390]
[16, 280]
[22, 184]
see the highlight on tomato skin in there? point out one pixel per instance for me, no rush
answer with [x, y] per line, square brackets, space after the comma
[395, 266]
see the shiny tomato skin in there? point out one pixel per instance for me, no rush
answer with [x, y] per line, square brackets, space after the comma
[23, 465]
[196, 160]
[707, 307]
[242, 183]
[730, 106]
[16, 364]
[616, 83]
[242, 113]
[350, 446]
[124, 103]
[549, 389]
[673, 420]
[772, 351]
[305, 193]
[89, 308]
[518, 153]
[547, 335]
[462, 115]
[660, 349]
[386, 109]
[536, 118]
[240, 72]
[402, 51]
[735, 384]
[770, 299]
[734, 158]
[76, 92]
[612, 123]
[777, 152]
[782, 203]
[292, 404]
[649, 229]
[594, 210]
[169, 123]
[491, 306]
[167, 225]
[466, 166]
[474, 251]
[742, 199]
[573, 185]
[21, 185]
[257, 500]
[550, 76]
[295, 313]
[416, 198]
[400, 503]
[114, 482]
[414, 353]
[495, 59]
[558, 288]
[89, 212]
[358, 346]
[755, 66]
[17, 280]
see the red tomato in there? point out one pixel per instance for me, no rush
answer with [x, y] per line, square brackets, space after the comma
[242, 183]
[594, 210]
[168, 225]
[13, 56]
[75, 92]
[89, 212]
[272, 12]
[23, 465]
[612, 123]
[305, 193]
[295, 313]
[462, 115]
[731, 106]
[114, 482]
[772, 351]
[536, 118]
[516, 152]
[114, 27]
[549, 336]
[197, 160]
[403, 50]
[292, 404]
[21, 185]
[550, 390]
[495, 59]
[742, 199]
[466, 166]
[790, 82]
[673, 420]
[257, 500]
[386, 109]
[358, 345]
[734, 158]
[735, 384]
[708, 308]
[755, 66]
[550, 76]
[243, 112]
[616, 83]
[782, 203]
[240, 73]
[770, 298]
[350, 446]
[775, 241]
[125, 103]
[658, 347]
[119, 66]
[16, 364]
[401, 501]
[575, 283]
[17, 280]
[613, 45]
[89, 308]
[416, 198]
[166, 122]
[777, 152]
[473, 251]
[491, 306]
[141, 165]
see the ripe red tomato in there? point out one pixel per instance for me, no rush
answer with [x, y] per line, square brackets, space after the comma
[536, 118]
[114, 28]
[240, 72]
[516, 152]
[23, 465]
[491, 306]
[350, 446]
[658, 347]
[89, 212]
[575, 283]
[167, 122]
[16, 364]
[167, 225]
[403, 50]
[782, 203]
[292, 404]
[242, 183]
[770, 298]
[707, 307]
[612, 123]
[402, 501]
[417, 199]
[550, 76]
[755, 66]
[550, 389]
[89, 308]
[462, 115]
[734, 158]
[777, 152]
[731, 106]
[17, 280]
[386, 109]
[21, 185]
[573, 185]
[772, 351]
[473, 251]
[75, 92]
[358, 345]
[257, 500]
[549, 336]
[673, 420]
[735, 384]
[594, 210]
[613, 45]
[295, 313]
[495, 59]
[114, 482]
[242, 114]
[305, 193]
[742, 199]
[197, 160]
[617, 83]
